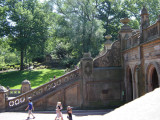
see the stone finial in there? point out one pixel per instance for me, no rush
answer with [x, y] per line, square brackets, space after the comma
[26, 82]
[144, 11]
[125, 27]
[26, 86]
[3, 89]
[87, 55]
[108, 42]
[125, 21]
[108, 37]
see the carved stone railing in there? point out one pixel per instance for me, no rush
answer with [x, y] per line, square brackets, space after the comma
[149, 34]
[44, 89]
[152, 32]
[136, 39]
[14, 92]
[133, 41]
[110, 58]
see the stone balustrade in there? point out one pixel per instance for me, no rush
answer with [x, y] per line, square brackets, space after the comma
[149, 34]
[14, 92]
[41, 90]
[133, 41]
[152, 32]
[110, 58]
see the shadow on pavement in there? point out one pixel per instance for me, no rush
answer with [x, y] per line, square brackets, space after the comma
[91, 112]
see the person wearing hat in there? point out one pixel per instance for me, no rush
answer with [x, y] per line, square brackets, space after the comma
[69, 112]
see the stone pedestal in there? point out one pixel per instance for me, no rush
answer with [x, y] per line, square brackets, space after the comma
[3, 95]
[87, 75]
[124, 33]
[26, 86]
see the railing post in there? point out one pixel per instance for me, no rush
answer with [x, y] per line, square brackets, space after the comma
[26, 86]
[3, 96]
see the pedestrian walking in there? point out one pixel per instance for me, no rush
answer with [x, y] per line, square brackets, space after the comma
[69, 112]
[58, 111]
[30, 108]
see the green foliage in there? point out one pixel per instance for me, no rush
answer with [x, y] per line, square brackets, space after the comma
[134, 7]
[66, 29]
[36, 77]
[134, 24]
[30, 29]
[79, 26]
[7, 55]
[110, 12]
[4, 25]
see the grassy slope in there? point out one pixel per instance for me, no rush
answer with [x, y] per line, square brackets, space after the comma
[36, 77]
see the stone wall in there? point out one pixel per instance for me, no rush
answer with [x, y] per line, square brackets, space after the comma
[112, 57]
[69, 96]
[106, 87]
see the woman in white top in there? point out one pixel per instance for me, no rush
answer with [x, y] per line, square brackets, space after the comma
[58, 111]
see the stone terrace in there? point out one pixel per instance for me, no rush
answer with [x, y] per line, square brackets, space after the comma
[146, 107]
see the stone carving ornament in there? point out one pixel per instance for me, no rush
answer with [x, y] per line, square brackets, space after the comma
[88, 69]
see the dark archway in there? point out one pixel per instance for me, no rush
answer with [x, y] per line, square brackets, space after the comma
[154, 79]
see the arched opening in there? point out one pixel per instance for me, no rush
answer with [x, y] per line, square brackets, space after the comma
[154, 79]
[130, 86]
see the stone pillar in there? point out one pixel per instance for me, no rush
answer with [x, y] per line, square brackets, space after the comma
[3, 95]
[124, 33]
[87, 75]
[26, 86]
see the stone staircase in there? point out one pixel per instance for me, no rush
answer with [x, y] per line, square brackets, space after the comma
[43, 92]
[98, 83]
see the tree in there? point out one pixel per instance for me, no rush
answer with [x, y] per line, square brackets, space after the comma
[4, 25]
[110, 12]
[7, 54]
[30, 28]
[84, 31]
[134, 7]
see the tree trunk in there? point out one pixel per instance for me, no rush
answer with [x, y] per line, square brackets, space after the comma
[21, 67]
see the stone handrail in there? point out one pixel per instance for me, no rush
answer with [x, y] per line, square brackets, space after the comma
[151, 32]
[75, 74]
[110, 58]
[133, 40]
[103, 53]
[14, 92]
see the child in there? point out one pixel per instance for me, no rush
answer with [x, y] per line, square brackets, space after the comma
[58, 111]
[30, 108]
[69, 112]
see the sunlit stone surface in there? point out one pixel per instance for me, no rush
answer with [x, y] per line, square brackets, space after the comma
[146, 107]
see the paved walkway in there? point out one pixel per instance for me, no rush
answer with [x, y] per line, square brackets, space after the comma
[50, 115]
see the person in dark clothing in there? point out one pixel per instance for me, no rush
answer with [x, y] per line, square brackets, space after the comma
[69, 112]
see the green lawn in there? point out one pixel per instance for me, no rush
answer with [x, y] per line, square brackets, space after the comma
[36, 77]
